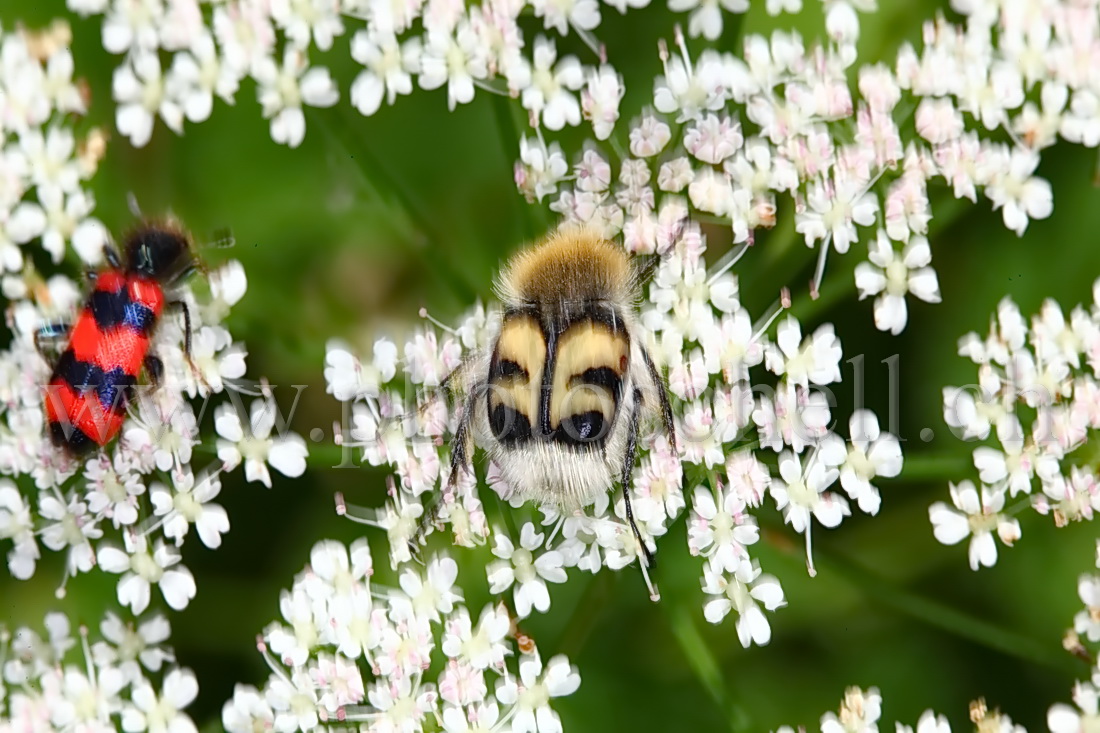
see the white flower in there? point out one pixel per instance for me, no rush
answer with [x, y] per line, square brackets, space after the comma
[50, 157]
[111, 492]
[190, 504]
[600, 100]
[139, 89]
[744, 592]
[427, 597]
[484, 647]
[402, 705]
[583, 15]
[549, 91]
[294, 701]
[1017, 463]
[817, 360]
[1085, 717]
[140, 570]
[69, 525]
[133, 24]
[649, 137]
[929, 722]
[301, 19]
[1087, 622]
[131, 648]
[859, 712]
[800, 495]
[286, 453]
[712, 139]
[540, 169]
[1020, 195]
[17, 524]
[428, 362]
[532, 692]
[891, 275]
[747, 476]
[871, 453]
[199, 73]
[247, 712]
[215, 359]
[347, 378]
[721, 530]
[455, 60]
[706, 16]
[834, 210]
[283, 91]
[691, 89]
[977, 518]
[387, 68]
[162, 713]
[520, 567]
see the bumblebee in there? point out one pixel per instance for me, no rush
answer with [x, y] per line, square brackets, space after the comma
[559, 397]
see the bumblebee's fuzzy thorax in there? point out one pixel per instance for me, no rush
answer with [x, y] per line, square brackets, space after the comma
[572, 264]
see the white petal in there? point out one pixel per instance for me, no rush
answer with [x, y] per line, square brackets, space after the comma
[925, 285]
[870, 280]
[948, 526]
[983, 551]
[178, 588]
[891, 314]
[134, 592]
[288, 455]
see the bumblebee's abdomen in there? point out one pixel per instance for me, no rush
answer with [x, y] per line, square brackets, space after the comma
[558, 382]
[93, 381]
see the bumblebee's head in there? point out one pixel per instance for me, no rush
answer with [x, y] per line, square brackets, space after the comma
[158, 252]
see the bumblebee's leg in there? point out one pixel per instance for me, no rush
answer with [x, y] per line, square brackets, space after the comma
[662, 397]
[447, 386]
[155, 369]
[460, 461]
[50, 336]
[628, 474]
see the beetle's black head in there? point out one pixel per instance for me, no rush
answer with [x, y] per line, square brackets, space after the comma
[158, 252]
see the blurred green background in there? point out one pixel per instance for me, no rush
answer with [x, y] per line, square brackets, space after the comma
[370, 219]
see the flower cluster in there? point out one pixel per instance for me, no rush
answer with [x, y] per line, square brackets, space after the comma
[861, 710]
[744, 441]
[178, 57]
[1083, 640]
[125, 680]
[348, 651]
[1036, 404]
[44, 163]
[728, 136]
[128, 508]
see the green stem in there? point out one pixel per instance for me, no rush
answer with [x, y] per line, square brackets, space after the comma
[932, 467]
[705, 666]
